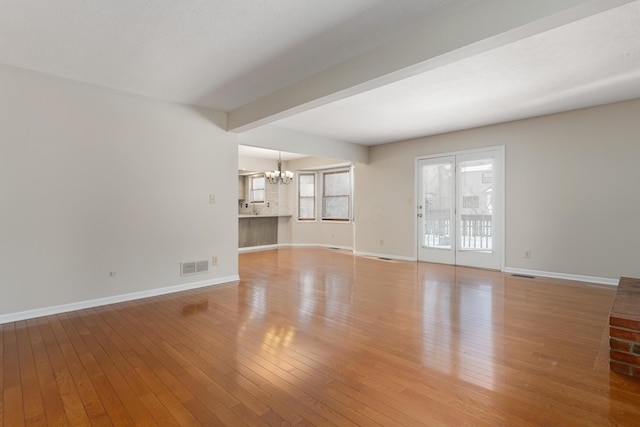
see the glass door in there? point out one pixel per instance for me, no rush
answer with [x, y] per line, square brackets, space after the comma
[460, 209]
[436, 210]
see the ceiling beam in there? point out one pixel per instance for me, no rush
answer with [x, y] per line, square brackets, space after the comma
[294, 141]
[480, 26]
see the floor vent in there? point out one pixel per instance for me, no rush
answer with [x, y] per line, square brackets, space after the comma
[384, 258]
[524, 276]
[193, 267]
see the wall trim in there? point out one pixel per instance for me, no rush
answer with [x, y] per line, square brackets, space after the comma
[258, 248]
[292, 245]
[576, 277]
[319, 245]
[326, 246]
[510, 270]
[80, 305]
[377, 255]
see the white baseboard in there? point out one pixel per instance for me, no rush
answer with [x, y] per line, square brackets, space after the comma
[538, 273]
[258, 248]
[576, 277]
[320, 245]
[377, 255]
[292, 245]
[47, 311]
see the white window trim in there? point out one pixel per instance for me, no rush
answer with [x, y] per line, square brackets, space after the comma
[315, 196]
[349, 218]
[319, 191]
[251, 188]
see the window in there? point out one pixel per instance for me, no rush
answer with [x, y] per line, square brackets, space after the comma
[330, 197]
[306, 196]
[471, 202]
[336, 195]
[256, 192]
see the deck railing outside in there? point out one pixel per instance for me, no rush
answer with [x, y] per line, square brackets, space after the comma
[475, 232]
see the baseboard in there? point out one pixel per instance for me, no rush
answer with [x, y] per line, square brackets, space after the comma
[322, 245]
[539, 273]
[292, 245]
[319, 245]
[258, 248]
[576, 277]
[47, 311]
[378, 255]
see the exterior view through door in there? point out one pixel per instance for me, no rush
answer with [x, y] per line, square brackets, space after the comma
[460, 208]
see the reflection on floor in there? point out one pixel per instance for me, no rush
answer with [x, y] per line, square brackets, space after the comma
[322, 337]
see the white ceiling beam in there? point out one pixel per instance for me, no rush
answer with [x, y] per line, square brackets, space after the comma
[476, 28]
[294, 141]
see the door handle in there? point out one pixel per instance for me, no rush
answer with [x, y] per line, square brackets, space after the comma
[419, 215]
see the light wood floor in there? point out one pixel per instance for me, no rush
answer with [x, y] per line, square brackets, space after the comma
[320, 337]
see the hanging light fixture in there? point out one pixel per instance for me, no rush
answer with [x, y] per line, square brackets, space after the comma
[279, 176]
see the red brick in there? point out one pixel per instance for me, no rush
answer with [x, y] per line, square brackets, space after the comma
[624, 357]
[635, 371]
[615, 344]
[625, 323]
[620, 368]
[636, 349]
[625, 335]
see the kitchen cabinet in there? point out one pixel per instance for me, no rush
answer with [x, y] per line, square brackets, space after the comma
[257, 231]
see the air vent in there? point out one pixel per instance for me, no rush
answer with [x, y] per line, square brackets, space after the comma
[202, 266]
[193, 267]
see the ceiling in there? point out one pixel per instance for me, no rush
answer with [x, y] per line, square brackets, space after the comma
[239, 55]
[589, 62]
[265, 153]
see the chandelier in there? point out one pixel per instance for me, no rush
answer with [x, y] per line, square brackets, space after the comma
[279, 176]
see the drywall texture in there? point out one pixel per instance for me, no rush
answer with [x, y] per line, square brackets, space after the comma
[571, 191]
[94, 181]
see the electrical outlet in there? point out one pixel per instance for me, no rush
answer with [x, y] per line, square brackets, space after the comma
[214, 260]
[212, 199]
[527, 253]
[113, 274]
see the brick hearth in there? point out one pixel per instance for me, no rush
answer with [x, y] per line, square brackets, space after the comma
[624, 328]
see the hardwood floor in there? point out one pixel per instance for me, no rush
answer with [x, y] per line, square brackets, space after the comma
[320, 337]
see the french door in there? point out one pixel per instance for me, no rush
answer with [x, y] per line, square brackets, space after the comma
[460, 208]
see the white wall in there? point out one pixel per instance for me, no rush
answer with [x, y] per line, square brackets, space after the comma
[93, 181]
[571, 191]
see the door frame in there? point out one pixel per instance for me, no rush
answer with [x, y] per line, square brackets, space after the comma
[499, 205]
